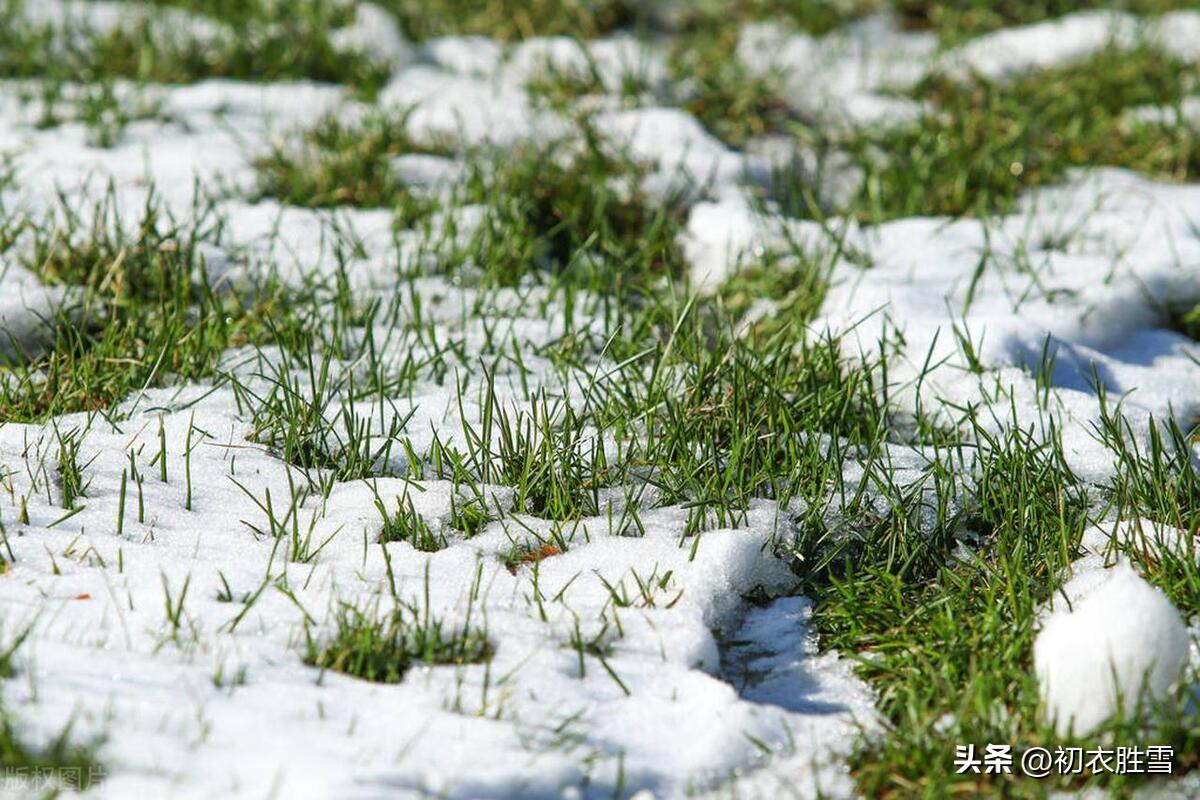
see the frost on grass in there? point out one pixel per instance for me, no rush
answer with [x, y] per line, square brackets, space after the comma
[481, 422]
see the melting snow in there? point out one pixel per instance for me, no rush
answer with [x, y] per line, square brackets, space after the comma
[1089, 264]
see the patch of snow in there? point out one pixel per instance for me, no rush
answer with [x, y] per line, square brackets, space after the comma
[1178, 34]
[1120, 641]
[841, 79]
[835, 177]
[375, 34]
[168, 27]
[244, 104]
[684, 157]
[28, 314]
[468, 55]
[771, 658]
[203, 707]
[727, 234]
[1008, 53]
[1058, 42]
[451, 106]
[427, 172]
[614, 61]
[1186, 113]
[1094, 265]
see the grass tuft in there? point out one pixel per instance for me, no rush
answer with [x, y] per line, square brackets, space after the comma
[337, 163]
[383, 645]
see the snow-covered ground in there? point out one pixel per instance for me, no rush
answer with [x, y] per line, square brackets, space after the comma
[701, 692]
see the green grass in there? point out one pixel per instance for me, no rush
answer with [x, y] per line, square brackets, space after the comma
[71, 481]
[952, 20]
[331, 12]
[57, 766]
[560, 89]
[697, 412]
[307, 417]
[1157, 482]
[62, 763]
[721, 92]
[955, 20]
[509, 20]
[266, 41]
[725, 418]
[382, 645]
[794, 283]
[932, 587]
[947, 641]
[985, 143]
[705, 416]
[817, 17]
[567, 209]
[469, 516]
[512, 19]
[404, 524]
[290, 521]
[146, 313]
[98, 105]
[946, 637]
[339, 164]
[571, 213]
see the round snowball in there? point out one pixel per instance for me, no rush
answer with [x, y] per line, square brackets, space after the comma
[1124, 637]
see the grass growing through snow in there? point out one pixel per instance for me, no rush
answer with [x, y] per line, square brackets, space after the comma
[1157, 492]
[382, 645]
[725, 418]
[946, 638]
[696, 413]
[142, 311]
[983, 142]
[306, 414]
[953, 20]
[956, 20]
[61, 764]
[402, 523]
[338, 164]
[258, 40]
[570, 210]
[986, 142]
[701, 404]
[1157, 484]
[71, 482]
[936, 588]
[721, 92]
[104, 107]
[57, 766]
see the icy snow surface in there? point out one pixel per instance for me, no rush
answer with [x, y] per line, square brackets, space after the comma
[225, 709]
